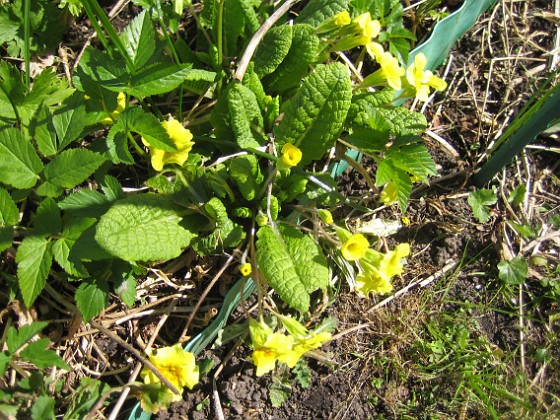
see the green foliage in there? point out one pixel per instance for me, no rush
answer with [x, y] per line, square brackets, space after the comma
[479, 201]
[514, 271]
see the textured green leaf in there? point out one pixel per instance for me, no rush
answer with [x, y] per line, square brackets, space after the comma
[19, 163]
[247, 175]
[34, 259]
[139, 39]
[47, 220]
[112, 188]
[317, 11]
[233, 25]
[87, 203]
[156, 79]
[273, 49]
[117, 143]
[91, 298]
[363, 104]
[314, 117]
[388, 172]
[279, 271]
[15, 339]
[479, 201]
[142, 228]
[68, 169]
[514, 271]
[367, 139]
[229, 233]
[309, 261]
[43, 408]
[69, 120]
[9, 213]
[303, 52]
[38, 354]
[414, 159]
[41, 128]
[135, 119]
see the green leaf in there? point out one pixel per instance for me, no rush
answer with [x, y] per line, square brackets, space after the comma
[389, 172]
[69, 120]
[15, 339]
[85, 397]
[41, 128]
[517, 196]
[68, 169]
[19, 163]
[368, 140]
[479, 201]
[398, 120]
[139, 39]
[34, 259]
[317, 11]
[47, 220]
[303, 52]
[38, 354]
[279, 392]
[135, 119]
[92, 297]
[514, 271]
[414, 159]
[142, 228]
[9, 213]
[230, 234]
[292, 264]
[5, 359]
[247, 175]
[272, 50]
[314, 117]
[43, 409]
[127, 290]
[87, 203]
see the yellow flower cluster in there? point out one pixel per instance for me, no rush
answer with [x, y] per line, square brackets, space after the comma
[291, 156]
[270, 347]
[176, 365]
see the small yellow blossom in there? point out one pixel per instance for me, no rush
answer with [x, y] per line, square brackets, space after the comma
[342, 18]
[421, 80]
[379, 268]
[291, 156]
[360, 31]
[390, 73]
[176, 365]
[245, 269]
[355, 247]
[268, 347]
[370, 28]
[181, 137]
[335, 22]
[121, 105]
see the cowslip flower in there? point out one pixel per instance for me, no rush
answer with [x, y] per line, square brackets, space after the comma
[181, 137]
[379, 269]
[121, 105]
[355, 247]
[389, 74]
[291, 156]
[176, 365]
[268, 347]
[245, 269]
[421, 80]
[335, 22]
[361, 31]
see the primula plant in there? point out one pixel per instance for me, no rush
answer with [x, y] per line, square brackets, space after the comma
[217, 143]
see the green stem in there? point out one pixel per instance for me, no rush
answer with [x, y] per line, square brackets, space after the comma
[166, 34]
[26, 38]
[140, 151]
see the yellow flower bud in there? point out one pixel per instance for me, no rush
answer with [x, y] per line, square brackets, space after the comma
[355, 247]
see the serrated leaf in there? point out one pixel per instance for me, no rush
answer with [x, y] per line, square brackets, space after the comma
[367, 139]
[479, 200]
[41, 128]
[9, 213]
[292, 264]
[517, 196]
[314, 117]
[69, 168]
[142, 228]
[399, 120]
[91, 298]
[414, 159]
[229, 233]
[19, 163]
[388, 172]
[514, 271]
[317, 11]
[135, 119]
[38, 354]
[69, 120]
[303, 52]
[43, 409]
[15, 339]
[61, 252]
[272, 50]
[112, 188]
[87, 203]
[139, 39]
[34, 259]
[247, 175]
[47, 220]
[5, 359]
[117, 143]
[279, 392]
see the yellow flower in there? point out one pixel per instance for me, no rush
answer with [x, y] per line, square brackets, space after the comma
[369, 28]
[335, 22]
[245, 269]
[355, 247]
[121, 105]
[342, 18]
[389, 193]
[379, 268]
[181, 137]
[176, 365]
[421, 80]
[291, 156]
[312, 342]
[390, 72]
[268, 347]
